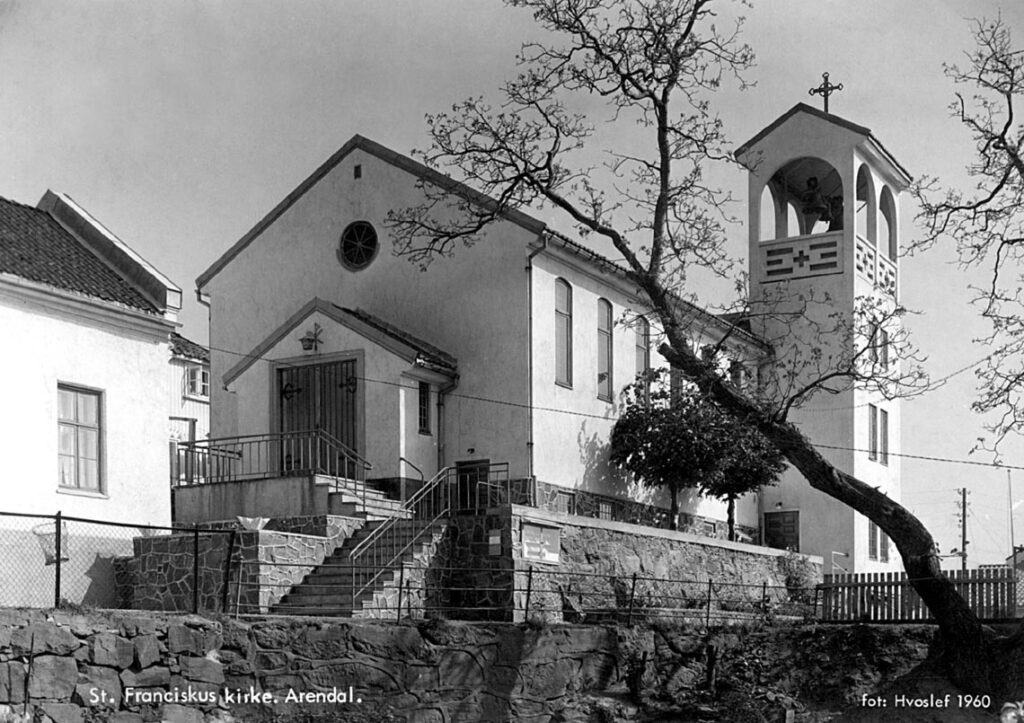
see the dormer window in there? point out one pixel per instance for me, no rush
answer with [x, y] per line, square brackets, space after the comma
[197, 381]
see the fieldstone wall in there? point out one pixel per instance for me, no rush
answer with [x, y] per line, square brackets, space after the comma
[132, 667]
[263, 566]
[593, 579]
[481, 571]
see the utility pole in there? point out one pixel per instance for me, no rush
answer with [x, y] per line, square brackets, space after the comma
[1009, 506]
[963, 529]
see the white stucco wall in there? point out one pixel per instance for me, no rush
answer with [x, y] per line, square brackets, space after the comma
[48, 348]
[472, 305]
[572, 425]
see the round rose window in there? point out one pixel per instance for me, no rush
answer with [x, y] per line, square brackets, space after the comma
[358, 245]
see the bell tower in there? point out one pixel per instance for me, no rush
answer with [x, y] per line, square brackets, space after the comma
[823, 241]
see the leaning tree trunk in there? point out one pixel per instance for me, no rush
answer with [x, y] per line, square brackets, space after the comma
[673, 508]
[731, 517]
[967, 649]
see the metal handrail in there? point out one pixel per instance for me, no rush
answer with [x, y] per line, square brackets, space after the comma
[260, 456]
[367, 560]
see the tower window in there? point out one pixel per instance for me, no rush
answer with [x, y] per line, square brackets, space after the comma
[872, 432]
[604, 350]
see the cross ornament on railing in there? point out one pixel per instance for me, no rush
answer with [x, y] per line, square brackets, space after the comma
[825, 89]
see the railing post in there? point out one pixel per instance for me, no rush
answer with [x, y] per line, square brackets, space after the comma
[529, 591]
[195, 568]
[632, 597]
[707, 615]
[57, 558]
[227, 572]
[401, 585]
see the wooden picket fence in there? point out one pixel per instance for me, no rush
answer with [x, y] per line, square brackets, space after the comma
[888, 596]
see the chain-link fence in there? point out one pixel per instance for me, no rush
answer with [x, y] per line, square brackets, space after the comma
[61, 561]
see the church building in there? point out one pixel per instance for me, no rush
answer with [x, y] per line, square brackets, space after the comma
[506, 360]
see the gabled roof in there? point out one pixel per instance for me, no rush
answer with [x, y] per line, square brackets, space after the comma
[188, 349]
[399, 342]
[534, 225]
[36, 247]
[831, 118]
[426, 353]
[387, 155]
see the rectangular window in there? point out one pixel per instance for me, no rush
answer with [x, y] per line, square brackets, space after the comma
[872, 432]
[424, 407]
[883, 547]
[883, 349]
[197, 381]
[883, 436]
[604, 350]
[80, 439]
[604, 510]
[872, 541]
[563, 333]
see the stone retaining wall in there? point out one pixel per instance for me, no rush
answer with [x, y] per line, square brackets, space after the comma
[485, 572]
[264, 564]
[135, 667]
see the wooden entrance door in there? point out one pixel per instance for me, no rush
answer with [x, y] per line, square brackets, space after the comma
[317, 397]
[782, 530]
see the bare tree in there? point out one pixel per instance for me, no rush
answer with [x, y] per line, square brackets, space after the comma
[655, 63]
[986, 224]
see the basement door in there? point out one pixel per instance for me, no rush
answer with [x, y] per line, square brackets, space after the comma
[317, 397]
[782, 530]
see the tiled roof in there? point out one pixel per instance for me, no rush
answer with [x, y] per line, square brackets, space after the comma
[34, 246]
[180, 346]
[428, 352]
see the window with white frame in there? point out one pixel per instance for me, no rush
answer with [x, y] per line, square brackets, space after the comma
[80, 438]
[883, 436]
[872, 432]
[197, 381]
[604, 350]
[643, 353]
[872, 540]
[563, 333]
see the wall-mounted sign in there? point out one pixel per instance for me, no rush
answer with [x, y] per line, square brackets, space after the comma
[541, 543]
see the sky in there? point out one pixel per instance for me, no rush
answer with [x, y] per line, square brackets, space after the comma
[180, 124]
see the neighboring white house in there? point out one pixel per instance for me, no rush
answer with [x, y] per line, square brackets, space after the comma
[514, 350]
[188, 391]
[86, 323]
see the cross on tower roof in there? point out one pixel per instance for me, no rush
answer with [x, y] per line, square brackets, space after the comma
[825, 89]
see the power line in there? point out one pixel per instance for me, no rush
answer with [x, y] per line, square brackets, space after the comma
[556, 410]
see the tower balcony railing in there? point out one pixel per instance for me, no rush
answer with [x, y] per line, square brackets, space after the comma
[265, 456]
[801, 256]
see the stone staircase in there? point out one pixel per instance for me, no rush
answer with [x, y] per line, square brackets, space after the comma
[327, 589]
[349, 501]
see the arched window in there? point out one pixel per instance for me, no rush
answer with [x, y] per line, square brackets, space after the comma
[604, 350]
[643, 345]
[563, 332]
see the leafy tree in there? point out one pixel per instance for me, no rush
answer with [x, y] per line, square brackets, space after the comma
[654, 64]
[680, 440]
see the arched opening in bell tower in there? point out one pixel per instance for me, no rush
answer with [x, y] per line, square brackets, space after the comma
[887, 232]
[803, 197]
[865, 223]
